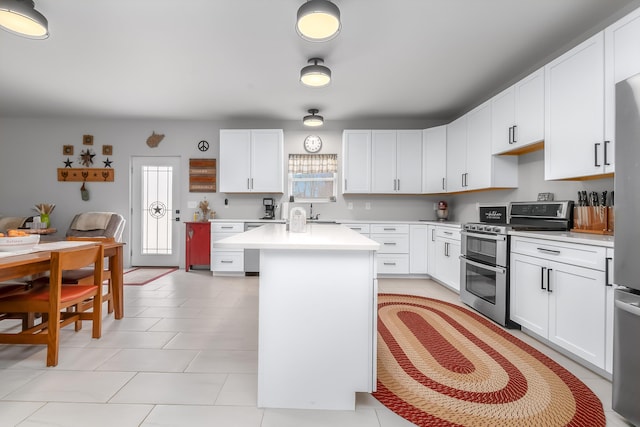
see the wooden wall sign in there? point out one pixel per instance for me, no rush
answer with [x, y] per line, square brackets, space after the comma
[202, 175]
[86, 174]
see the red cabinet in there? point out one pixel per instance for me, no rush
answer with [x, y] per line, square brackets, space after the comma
[198, 244]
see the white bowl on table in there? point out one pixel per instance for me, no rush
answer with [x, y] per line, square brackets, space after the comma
[18, 243]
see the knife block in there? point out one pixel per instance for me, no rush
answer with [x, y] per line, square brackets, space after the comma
[593, 219]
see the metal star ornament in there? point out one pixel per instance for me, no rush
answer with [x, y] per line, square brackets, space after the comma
[107, 163]
[86, 157]
[68, 163]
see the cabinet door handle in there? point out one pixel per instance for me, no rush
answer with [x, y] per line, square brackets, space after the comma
[398, 184]
[433, 234]
[606, 143]
[446, 249]
[549, 251]
[607, 260]
[513, 134]
[542, 269]
[443, 183]
[252, 183]
[462, 180]
[549, 270]
[595, 154]
[510, 133]
[248, 184]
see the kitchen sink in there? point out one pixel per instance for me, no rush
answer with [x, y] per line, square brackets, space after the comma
[321, 221]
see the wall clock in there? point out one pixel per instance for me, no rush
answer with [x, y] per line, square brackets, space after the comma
[312, 144]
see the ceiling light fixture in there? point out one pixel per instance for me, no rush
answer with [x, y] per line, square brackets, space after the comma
[318, 20]
[315, 75]
[313, 119]
[20, 17]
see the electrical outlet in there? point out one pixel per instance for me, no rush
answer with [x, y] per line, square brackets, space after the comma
[367, 205]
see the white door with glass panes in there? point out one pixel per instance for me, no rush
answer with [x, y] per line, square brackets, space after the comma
[155, 218]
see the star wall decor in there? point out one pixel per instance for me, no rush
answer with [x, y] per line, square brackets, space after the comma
[86, 157]
[67, 163]
[107, 163]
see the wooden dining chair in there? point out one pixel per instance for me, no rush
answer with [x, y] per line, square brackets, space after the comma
[53, 300]
[84, 276]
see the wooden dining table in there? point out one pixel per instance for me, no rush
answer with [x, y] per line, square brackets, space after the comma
[37, 261]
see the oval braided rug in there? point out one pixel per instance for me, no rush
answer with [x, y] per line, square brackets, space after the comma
[440, 364]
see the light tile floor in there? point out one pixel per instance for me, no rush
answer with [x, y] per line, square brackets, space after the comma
[186, 355]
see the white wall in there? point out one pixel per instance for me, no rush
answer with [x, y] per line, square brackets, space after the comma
[531, 182]
[31, 152]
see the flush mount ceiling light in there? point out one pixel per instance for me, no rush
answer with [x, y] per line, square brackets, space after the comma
[315, 75]
[318, 20]
[313, 119]
[20, 17]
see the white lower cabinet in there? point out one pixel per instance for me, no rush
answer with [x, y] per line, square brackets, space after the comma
[563, 302]
[227, 260]
[393, 255]
[447, 257]
[418, 242]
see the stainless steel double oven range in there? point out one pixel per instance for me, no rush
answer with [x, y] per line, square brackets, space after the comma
[484, 259]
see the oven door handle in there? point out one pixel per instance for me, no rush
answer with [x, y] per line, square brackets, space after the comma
[496, 237]
[495, 269]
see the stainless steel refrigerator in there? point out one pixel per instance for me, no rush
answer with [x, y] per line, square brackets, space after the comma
[626, 335]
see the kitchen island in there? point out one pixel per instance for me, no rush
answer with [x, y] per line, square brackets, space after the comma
[317, 315]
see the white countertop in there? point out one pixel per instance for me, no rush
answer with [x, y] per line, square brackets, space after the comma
[350, 221]
[318, 236]
[568, 236]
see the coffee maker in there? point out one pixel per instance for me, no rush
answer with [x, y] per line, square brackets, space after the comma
[269, 208]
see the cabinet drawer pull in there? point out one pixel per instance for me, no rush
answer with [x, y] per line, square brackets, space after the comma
[549, 251]
[607, 260]
[224, 261]
[356, 228]
[226, 227]
[390, 229]
[389, 263]
[390, 243]
[449, 233]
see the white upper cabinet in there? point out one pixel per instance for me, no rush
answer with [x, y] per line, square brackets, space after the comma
[251, 161]
[382, 161]
[396, 161]
[434, 155]
[621, 48]
[356, 161]
[470, 164]
[577, 144]
[518, 115]
[456, 154]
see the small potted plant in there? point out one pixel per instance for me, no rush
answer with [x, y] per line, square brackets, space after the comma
[45, 209]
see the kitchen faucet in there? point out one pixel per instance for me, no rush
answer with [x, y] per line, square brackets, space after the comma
[311, 212]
